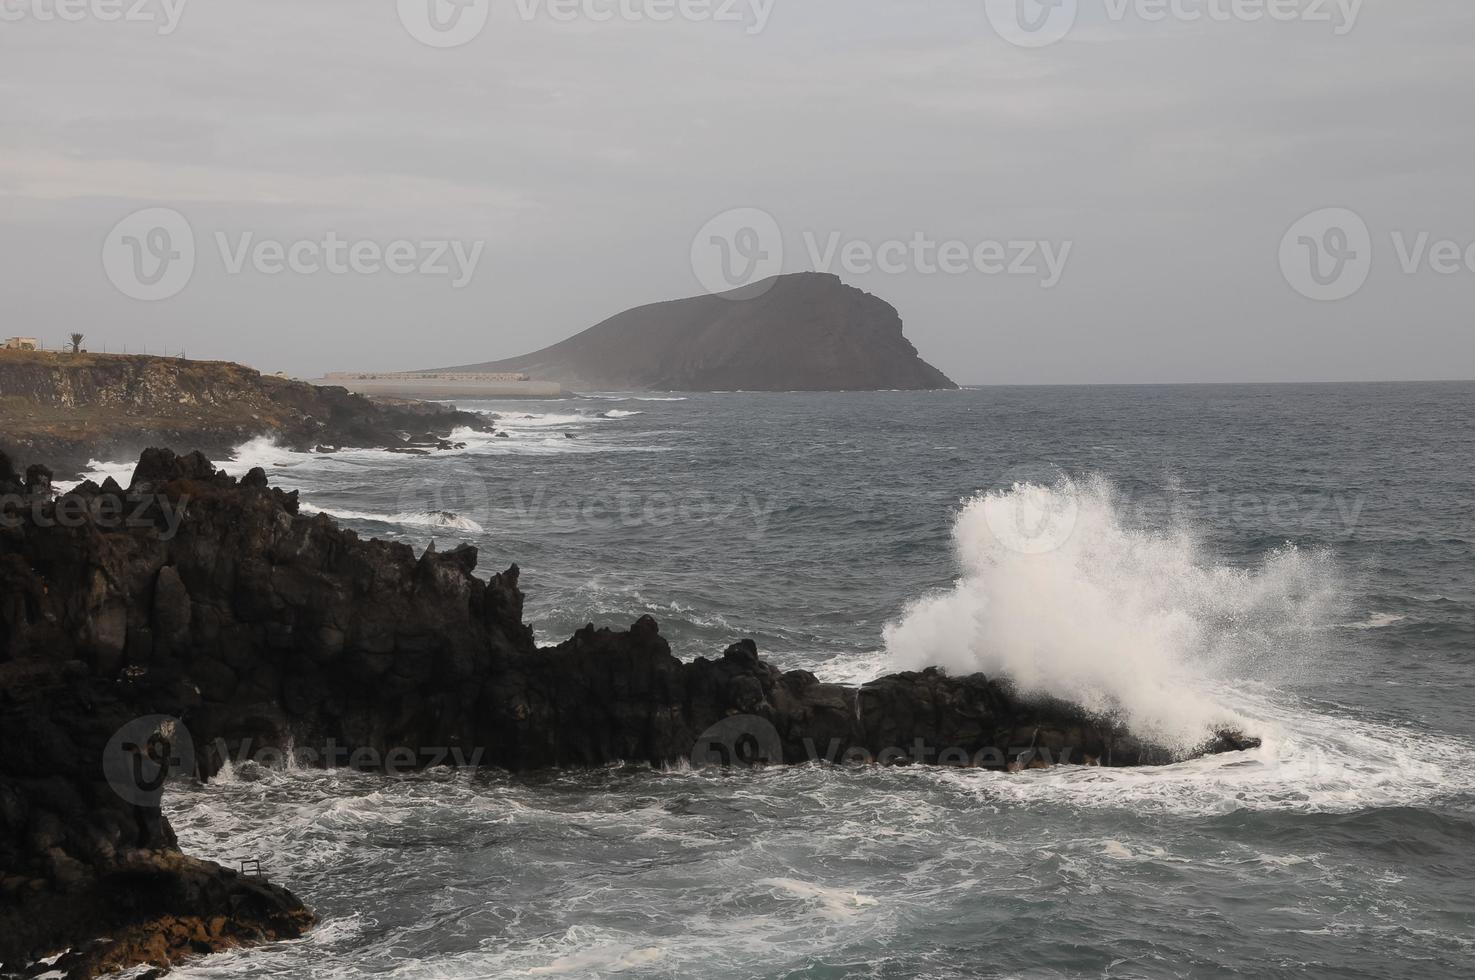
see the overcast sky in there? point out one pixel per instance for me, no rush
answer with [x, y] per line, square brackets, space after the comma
[574, 160]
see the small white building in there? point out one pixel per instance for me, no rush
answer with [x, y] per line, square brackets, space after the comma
[22, 343]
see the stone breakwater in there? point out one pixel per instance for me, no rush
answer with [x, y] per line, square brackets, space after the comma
[245, 624]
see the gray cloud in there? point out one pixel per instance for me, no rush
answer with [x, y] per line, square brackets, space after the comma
[1174, 156]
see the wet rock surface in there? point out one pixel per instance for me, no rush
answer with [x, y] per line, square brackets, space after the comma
[228, 622]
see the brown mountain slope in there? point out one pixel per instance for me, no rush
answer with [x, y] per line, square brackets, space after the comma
[805, 332]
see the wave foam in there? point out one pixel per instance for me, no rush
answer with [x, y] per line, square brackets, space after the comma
[1377, 621]
[1311, 762]
[529, 420]
[1060, 593]
[436, 519]
[835, 904]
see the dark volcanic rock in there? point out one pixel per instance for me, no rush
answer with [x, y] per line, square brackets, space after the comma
[245, 624]
[804, 332]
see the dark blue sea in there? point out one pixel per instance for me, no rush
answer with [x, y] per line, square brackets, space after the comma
[1295, 560]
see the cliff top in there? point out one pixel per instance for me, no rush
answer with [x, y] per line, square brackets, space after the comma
[73, 408]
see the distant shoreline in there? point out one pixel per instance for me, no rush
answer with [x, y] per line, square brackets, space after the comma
[1208, 384]
[429, 387]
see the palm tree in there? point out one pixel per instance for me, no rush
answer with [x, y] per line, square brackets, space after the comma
[76, 343]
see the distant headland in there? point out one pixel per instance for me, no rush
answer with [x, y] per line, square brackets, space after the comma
[802, 332]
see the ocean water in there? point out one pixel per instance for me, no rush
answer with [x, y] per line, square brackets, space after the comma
[1294, 559]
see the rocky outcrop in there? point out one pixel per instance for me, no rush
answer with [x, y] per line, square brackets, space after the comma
[69, 409]
[84, 869]
[803, 332]
[134, 640]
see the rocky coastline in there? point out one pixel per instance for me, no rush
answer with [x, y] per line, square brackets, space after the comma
[70, 409]
[165, 626]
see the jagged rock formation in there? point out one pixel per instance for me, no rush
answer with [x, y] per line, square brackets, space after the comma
[803, 332]
[245, 621]
[69, 409]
